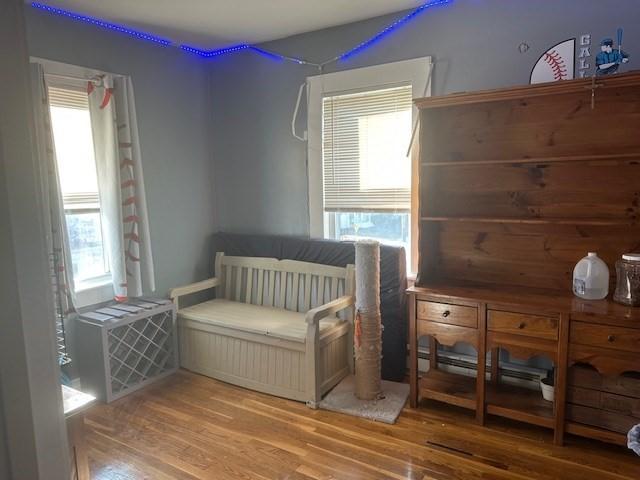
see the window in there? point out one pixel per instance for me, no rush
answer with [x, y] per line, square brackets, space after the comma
[71, 125]
[360, 176]
[366, 171]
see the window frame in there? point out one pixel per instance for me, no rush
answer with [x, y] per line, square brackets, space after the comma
[414, 72]
[99, 289]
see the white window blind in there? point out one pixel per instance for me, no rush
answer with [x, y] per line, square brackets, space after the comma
[365, 139]
[75, 155]
[68, 97]
[69, 105]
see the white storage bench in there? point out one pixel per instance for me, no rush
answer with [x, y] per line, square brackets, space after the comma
[281, 327]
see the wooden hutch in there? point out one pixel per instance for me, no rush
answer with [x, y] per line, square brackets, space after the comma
[516, 186]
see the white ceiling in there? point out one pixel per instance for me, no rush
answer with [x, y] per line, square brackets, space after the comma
[211, 24]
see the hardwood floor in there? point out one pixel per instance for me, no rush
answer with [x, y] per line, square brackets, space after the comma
[192, 427]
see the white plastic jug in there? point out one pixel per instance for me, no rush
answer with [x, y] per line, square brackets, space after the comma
[591, 278]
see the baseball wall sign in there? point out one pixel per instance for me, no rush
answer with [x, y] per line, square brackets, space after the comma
[557, 63]
[584, 55]
[611, 56]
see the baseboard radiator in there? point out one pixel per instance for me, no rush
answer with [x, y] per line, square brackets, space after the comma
[463, 364]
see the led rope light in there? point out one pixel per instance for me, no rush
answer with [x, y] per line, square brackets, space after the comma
[213, 53]
[223, 51]
[103, 24]
[410, 16]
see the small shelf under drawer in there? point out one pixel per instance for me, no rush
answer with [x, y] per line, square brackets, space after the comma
[448, 387]
[508, 401]
[519, 403]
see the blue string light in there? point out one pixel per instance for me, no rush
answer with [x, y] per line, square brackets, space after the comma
[390, 28]
[102, 23]
[213, 53]
[223, 51]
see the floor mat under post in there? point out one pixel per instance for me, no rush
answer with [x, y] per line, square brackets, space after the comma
[342, 399]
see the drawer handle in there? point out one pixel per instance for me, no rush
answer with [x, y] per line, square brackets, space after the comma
[611, 338]
[446, 313]
[521, 325]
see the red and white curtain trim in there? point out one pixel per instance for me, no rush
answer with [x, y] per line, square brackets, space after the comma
[121, 185]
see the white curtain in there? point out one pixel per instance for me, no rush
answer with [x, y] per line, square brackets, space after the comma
[54, 216]
[122, 197]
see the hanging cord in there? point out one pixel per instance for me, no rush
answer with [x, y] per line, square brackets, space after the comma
[297, 107]
[280, 56]
[307, 159]
[302, 138]
[417, 121]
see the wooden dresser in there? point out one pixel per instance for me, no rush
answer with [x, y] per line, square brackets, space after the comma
[517, 185]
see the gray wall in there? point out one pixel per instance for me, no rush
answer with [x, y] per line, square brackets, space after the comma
[261, 181]
[226, 159]
[171, 99]
[4, 453]
[31, 406]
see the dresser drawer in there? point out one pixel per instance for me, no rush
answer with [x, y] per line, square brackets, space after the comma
[446, 313]
[620, 404]
[523, 324]
[601, 418]
[617, 338]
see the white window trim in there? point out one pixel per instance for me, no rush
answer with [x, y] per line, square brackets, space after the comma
[69, 70]
[95, 290]
[415, 72]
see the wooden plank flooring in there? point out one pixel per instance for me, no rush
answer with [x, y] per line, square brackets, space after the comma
[190, 427]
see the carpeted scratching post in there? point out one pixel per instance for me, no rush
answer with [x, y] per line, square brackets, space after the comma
[368, 327]
[363, 395]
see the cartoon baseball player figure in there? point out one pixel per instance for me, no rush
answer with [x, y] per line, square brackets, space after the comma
[608, 61]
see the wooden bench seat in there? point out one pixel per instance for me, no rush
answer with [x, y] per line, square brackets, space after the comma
[281, 327]
[274, 322]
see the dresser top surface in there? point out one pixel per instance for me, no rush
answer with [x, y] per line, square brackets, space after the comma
[545, 301]
[519, 92]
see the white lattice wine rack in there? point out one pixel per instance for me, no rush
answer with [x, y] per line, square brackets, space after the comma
[125, 346]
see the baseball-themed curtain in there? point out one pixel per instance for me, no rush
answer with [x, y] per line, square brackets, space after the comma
[122, 197]
[60, 266]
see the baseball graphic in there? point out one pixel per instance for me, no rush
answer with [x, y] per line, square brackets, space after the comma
[555, 64]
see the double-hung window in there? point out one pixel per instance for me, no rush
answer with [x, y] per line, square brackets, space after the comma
[360, 170]
[73, 141]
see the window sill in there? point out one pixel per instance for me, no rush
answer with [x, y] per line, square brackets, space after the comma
[94, 291]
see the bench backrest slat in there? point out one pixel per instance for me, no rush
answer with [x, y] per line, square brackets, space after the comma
[238, 290]
[249, 286]
[282, 286]
[260, 291]
[322, 281]
[295, 292]
[306, 302]
[271, 289]
[289, 284]
[227, 274]
[334, 288]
